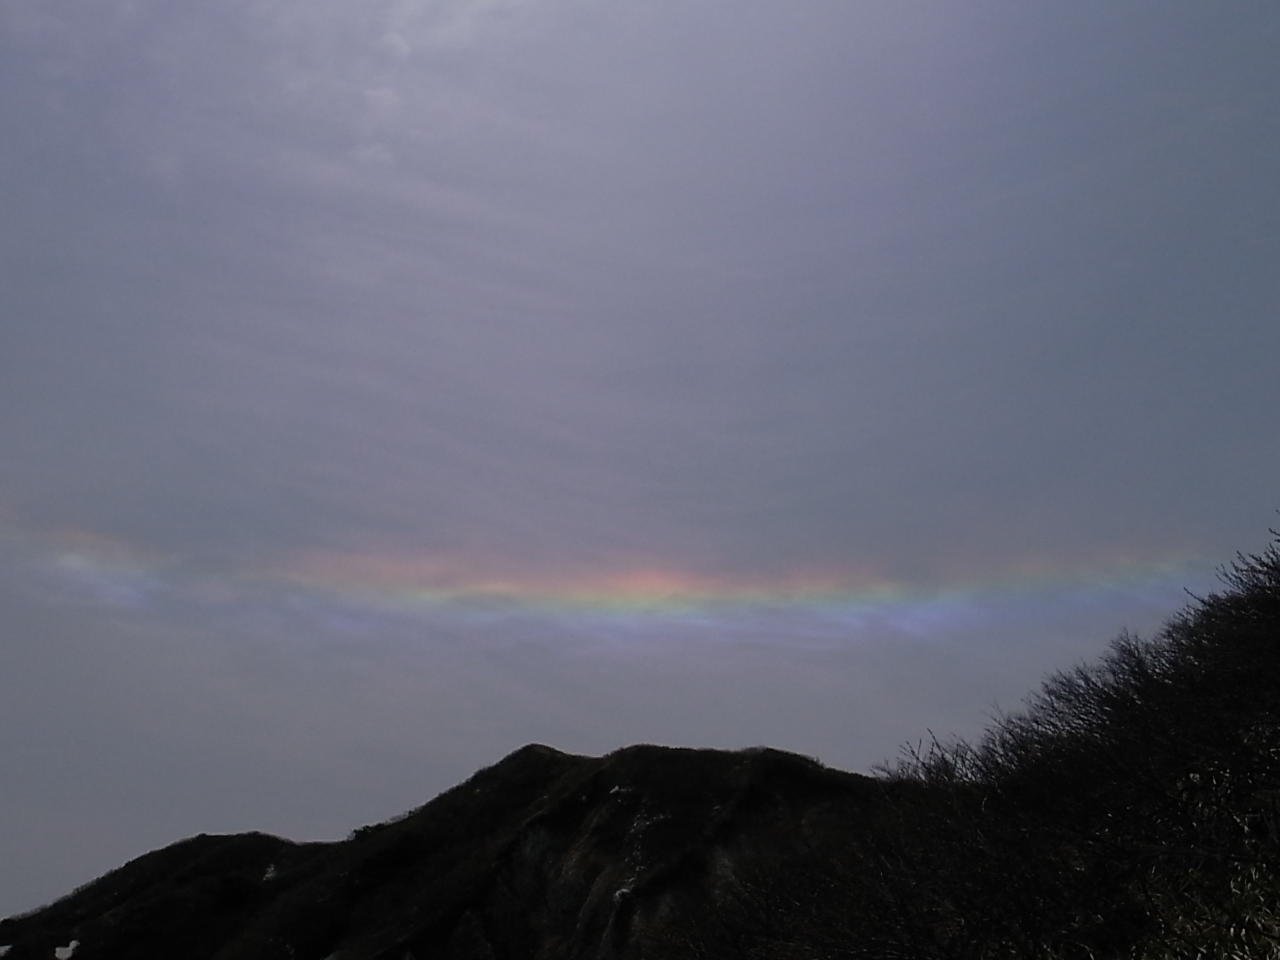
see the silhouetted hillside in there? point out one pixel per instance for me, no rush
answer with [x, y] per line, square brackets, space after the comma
[1130, 811]
[543, 854]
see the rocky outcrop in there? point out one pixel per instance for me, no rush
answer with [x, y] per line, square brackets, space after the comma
[542, 855]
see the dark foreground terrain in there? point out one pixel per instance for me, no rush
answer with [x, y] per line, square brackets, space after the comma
[1132, 811]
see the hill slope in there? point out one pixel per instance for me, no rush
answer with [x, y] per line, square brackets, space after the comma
[543, 854]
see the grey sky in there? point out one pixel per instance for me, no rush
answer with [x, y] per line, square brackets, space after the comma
[385, 385]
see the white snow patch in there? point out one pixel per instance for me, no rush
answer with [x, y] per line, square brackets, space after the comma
[5, 949]
[67, 952]
[270, 874]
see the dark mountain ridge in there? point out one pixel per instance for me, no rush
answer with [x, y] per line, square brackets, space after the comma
[542, 854]
[1131, 810]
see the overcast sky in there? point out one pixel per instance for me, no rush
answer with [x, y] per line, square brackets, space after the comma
[385, 385]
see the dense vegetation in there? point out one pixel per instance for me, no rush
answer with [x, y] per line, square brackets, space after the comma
[1131, 810]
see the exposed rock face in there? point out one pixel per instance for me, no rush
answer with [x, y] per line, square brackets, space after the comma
[543, 855]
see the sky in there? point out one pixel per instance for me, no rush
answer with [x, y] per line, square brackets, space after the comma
[384, 386]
